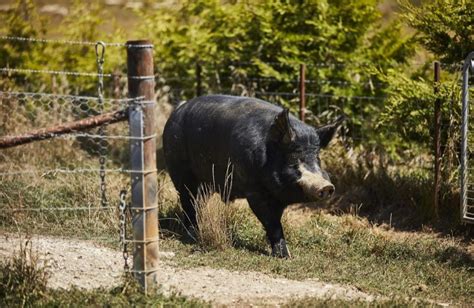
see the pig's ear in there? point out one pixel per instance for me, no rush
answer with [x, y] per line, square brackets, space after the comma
[327, 132]
[281, 129]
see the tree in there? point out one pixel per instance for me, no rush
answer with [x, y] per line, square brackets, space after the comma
[445, 27]
[257, 46]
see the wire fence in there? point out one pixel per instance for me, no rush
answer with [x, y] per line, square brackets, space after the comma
[62, 174]
[328, 96]
[322, 104]
[68, 183]
[67, 161]
[76, 177]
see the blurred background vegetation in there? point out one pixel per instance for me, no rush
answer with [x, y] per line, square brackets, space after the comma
[369, 59]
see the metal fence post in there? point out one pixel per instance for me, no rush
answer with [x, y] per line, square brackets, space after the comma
[467, 210]
[302, 92]
[437, 142]
[144, 207]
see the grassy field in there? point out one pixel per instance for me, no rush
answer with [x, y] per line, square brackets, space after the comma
[348, 250]
[345, 249]
[359, 238]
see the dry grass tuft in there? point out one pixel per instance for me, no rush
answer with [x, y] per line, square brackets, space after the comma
[214, 216]
[23, 279]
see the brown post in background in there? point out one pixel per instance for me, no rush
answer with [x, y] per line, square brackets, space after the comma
[437, 140]
[302, 92]
[198, 79]
[141, 83]
[116, 85]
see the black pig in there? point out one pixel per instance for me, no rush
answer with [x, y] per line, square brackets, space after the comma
[275, 157]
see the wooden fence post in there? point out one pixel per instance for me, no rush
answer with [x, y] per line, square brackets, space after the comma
[141, 83]
[198, 79]
[437, 140]
[302, 92]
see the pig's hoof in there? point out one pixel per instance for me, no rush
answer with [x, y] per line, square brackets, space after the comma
[280, 250]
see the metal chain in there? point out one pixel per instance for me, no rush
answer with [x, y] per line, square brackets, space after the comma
[100, 52]
[123, 227]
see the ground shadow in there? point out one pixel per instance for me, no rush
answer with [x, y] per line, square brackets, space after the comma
[174, 224]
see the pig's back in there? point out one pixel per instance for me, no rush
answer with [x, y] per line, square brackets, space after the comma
[207, 133]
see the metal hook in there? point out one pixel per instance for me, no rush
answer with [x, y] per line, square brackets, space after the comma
[100, 51]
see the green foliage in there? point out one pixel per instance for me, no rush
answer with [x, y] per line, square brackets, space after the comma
[82, 24]
[408, 108]
[23, 21]
[445, 27]
[235, 41]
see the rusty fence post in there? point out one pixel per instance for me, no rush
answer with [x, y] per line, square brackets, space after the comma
[116, 85]
[198, 79]
[302, 92]
[437, 139]
[141, 83]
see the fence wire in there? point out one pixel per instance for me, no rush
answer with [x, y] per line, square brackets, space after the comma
[53, 185]
[68, 42]
[68, 181]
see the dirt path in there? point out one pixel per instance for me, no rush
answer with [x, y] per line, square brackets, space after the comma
[87, 265]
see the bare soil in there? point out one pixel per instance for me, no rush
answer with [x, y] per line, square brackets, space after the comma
[83, 264]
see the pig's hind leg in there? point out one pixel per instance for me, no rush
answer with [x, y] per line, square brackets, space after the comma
[187, 187]
[269, 213]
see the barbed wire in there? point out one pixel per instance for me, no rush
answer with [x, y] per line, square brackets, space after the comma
[68, 73]
[86, 135]
[52, 72]
[381, 98]
[338, 64]
[37, 95]
[70, 42]
[288, 94]
[315, 81]
[270, 79]
[38, 209]
[68, 171]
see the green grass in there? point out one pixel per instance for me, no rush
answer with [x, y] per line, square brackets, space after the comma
[342, 249]
[20, 194]
[346, 250]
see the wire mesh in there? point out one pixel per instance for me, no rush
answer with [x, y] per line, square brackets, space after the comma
[327, 97]
[53, 185]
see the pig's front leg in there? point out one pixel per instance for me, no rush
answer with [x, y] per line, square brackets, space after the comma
[269, 213]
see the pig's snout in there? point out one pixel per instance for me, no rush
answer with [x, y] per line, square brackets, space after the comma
[325, 192]
[314, 185]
